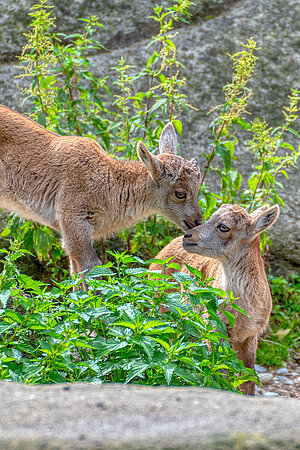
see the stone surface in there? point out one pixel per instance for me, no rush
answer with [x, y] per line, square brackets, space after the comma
[203, 48]
[282, 378]
[282, 371]
[281, 385]
[265, 378]
[270, 394]
[260, 369]
[117, 416]
[124, 21]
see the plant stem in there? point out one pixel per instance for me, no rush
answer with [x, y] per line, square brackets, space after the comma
[39, 87]
[148, 104]
[257, 184]
[103, 251]
[211, 157]
[75, 117]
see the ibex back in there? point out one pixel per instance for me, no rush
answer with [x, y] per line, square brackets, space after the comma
[72, 185]
[229, 246]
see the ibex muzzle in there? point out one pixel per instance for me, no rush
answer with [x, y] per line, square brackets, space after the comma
[72, 185]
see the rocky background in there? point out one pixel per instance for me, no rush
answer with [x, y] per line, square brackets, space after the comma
[217, 28]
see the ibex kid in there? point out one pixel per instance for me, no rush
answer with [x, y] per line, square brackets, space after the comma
[72, 185]
[227, 248]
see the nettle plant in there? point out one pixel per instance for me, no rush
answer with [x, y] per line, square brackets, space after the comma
[61, 335]
[272, 155]
[51, 334]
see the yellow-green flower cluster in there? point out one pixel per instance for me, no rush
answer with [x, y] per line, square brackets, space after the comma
[262, 141]
[237, 93]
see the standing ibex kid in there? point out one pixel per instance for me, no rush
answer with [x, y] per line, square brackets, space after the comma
[72, 185]
[229, 246]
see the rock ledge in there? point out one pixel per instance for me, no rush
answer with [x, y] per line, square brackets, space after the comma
[117, 416]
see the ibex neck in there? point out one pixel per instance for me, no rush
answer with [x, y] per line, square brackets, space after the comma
[133, 190]
[243, 274]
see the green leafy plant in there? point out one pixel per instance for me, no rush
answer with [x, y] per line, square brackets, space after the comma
[116, 331]
[282, 340]
[51, 334]
[272, 155]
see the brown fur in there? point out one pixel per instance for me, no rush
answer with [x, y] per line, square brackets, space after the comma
[72, 185]
[234, 260]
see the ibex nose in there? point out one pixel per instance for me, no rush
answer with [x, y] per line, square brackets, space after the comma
[188, 235]
[198, 222]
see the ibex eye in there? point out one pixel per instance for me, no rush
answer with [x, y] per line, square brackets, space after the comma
[180, 195]
[223, 227]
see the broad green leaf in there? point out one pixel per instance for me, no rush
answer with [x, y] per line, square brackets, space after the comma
[242, 123]
[178, 125]
[41, 119]
[15, 316]
[152, 60]
[174, 266]
[5, 326]
[153, 324]
[168, 372]
[230, 146]
[136, 370]
[163, 343]
[185, 376]
[146, 343]
[5, 232]
[252, 182]
[4, 297]
[104, 347]
[130, 325]
[230, 317]
[30, 284]
[225, 155]
[99, 272]
[238, 308]
[195, 271]
[181, 277]
[42, 241]
[81, 344]
[287, 145]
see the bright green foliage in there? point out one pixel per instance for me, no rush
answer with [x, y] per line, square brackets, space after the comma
[274, 156]
[47, 333]
[116, 331]
[271, 153]
[283, 338]
[66, 97]
[170, 84]
[39, 240]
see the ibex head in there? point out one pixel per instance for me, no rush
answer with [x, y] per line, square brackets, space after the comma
[228, 230]
[177, 181]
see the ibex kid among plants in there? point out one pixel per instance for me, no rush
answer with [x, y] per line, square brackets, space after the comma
[72, 185]
[227, 249]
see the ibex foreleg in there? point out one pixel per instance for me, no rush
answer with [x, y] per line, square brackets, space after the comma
[78, 244]
[246, 352]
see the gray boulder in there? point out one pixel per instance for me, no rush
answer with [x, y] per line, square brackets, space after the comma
[217, 28]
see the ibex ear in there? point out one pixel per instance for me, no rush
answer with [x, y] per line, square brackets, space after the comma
[264, 220]
[258, 211]
[168, 140]
[194, 162]
[151, 162]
